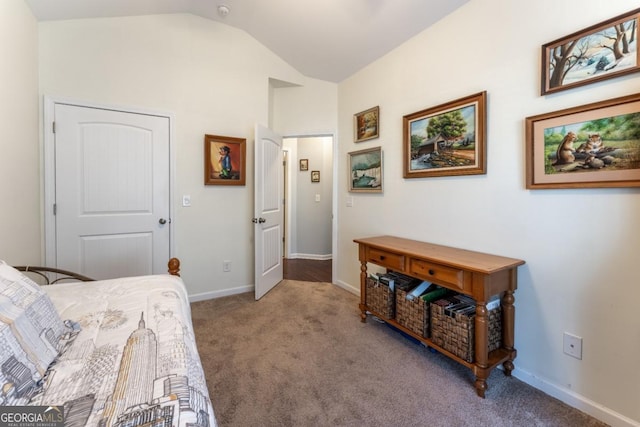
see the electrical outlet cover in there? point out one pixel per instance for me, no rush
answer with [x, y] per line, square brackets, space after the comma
[572, 345]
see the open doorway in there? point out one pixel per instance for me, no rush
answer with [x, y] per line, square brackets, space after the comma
[308, 208]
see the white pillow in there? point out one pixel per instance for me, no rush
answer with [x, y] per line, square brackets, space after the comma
[30, 329]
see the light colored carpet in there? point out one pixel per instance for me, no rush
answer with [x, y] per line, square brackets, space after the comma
[301, 357]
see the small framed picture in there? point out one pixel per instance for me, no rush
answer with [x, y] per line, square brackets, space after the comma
[365, 171]
[304, 164]
[366, 124]
[224, 160]
[315, 176]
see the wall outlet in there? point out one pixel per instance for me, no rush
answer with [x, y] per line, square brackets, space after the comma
[572, 345]
[226, 266]
[186, 200]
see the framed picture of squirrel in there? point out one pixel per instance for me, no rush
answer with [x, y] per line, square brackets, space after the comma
[594, 145]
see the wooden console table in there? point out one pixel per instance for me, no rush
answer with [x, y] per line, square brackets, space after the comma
[476, 274]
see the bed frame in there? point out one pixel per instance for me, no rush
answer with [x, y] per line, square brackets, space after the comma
[51, 276]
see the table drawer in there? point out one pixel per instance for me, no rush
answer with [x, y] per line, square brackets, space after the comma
[386, 259]
[440, 274]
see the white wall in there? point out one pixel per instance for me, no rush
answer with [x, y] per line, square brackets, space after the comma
[214, 79]
[581, 246]
[313, 217]
[20, 228]
[310, 108]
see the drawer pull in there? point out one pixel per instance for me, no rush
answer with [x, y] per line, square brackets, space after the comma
[382, 257]
[431, 272]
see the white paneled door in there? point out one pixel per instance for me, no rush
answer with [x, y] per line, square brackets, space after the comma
[111, 192]
[269, 212]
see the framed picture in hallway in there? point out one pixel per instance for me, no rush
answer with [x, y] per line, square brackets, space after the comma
[365, 171]
[224, 160]
[315, 176]
[600, 52]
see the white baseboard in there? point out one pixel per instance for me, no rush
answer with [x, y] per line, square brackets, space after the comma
[575, 400]
[219, 294]
[348, 287]
[311, 256]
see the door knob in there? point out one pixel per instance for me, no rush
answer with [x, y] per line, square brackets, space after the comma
[162, 221]
[262, 220]
[254, 220]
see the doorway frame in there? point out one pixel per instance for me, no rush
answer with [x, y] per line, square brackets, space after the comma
[334, 195]
[48, 167]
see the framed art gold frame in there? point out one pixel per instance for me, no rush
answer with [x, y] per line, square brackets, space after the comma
[594, 145]
[304, 164]
[224, 160]
[448, 139]
[602, 51]
[366, 124]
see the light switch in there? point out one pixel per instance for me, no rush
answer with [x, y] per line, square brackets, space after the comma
[349, 202]
[317, 197]
[186, 200]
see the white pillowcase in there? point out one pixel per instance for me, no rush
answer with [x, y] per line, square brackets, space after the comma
[30, 329]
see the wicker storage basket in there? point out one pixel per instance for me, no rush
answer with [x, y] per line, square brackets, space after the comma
[412, 314]
[456, 332]
[380, 298]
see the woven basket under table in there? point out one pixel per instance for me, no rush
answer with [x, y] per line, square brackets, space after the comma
[456, 333]
[380, 298]
[412, 314]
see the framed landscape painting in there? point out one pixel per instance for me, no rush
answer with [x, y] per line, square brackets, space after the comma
[365, 171]
[447, 139]
[595, 145]
[224, 160]
[602, 51]
[366, 124]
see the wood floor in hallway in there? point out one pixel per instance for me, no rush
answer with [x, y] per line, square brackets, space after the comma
[307, 269]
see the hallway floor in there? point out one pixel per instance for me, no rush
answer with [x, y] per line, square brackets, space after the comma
[307, 270]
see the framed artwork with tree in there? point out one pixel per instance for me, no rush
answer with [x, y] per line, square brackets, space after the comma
[366, 124]
[602, 51]
[448, 139]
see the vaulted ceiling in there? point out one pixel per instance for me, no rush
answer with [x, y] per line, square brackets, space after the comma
[324, 39]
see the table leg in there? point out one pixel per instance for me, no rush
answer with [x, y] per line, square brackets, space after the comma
[481, 347]
[508, 311]
[363, 291]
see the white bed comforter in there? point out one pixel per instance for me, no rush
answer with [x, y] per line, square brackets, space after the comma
[134, 361]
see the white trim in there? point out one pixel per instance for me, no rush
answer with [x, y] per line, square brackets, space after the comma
[48, 181]
[289, 206]
[48, 164]
[347, 287]
[334, 212]
[574, 399]
[311, 256]
[219, 294]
